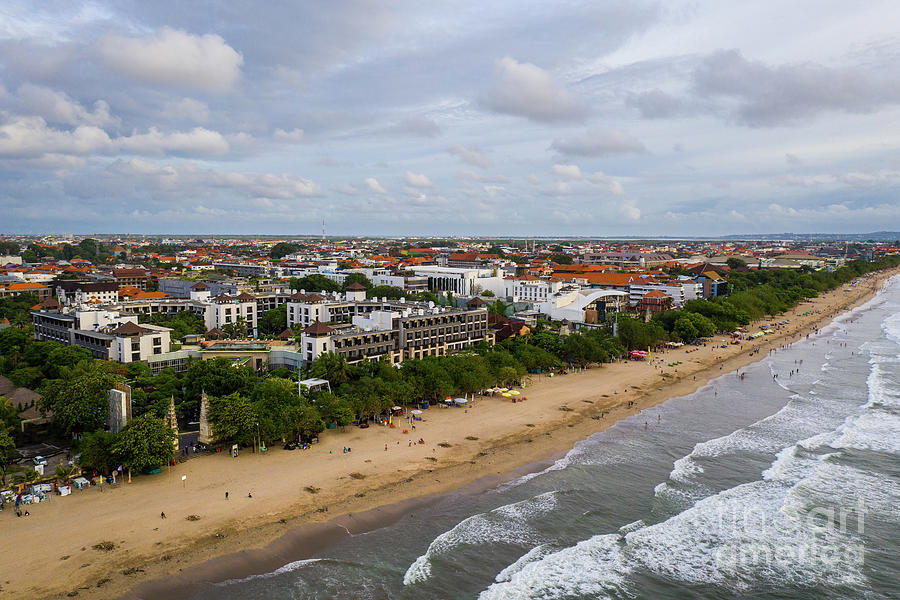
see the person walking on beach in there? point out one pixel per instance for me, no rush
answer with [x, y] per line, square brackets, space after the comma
[226, 494]
[162, 515]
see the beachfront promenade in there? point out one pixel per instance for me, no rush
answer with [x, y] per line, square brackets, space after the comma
[488, 439]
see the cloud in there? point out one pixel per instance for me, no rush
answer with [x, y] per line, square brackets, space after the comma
[571, 172]
[601, 179]
[30, 137]
[481, 177]
[294, 136]
[598, 142]
[769, 96]
[196, 141]
[417, 180]
[526, 90]
[629, 210]
[173, 57]
[58, 107]
[792, 159]
[188, 108]
[471, 155]
[656, 104]
[344, 188]
[417, 126]
[374, 186]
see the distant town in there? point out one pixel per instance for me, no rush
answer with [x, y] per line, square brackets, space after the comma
[198, 342]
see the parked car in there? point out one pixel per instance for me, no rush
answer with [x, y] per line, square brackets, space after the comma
[40, 460]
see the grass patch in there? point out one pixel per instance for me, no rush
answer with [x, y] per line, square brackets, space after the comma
[192, 518]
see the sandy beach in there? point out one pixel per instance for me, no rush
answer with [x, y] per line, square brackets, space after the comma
[304, 500]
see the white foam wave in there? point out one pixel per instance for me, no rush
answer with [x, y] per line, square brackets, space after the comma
[291, 566]
[535, 554]
[875, 430]
[505, 524]
[590, 569]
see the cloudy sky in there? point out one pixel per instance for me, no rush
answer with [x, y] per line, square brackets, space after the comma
[506, 118]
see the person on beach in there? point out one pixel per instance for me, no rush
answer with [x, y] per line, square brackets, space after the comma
[162, 515]
[226, 494]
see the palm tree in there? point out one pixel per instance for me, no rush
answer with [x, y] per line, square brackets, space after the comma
[332, 367]
[67, 474]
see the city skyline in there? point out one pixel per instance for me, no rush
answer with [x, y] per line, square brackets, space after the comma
[577, 119]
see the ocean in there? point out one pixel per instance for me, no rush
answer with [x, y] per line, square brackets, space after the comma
[761, 487]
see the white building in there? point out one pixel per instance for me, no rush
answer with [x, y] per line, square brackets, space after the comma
[462, 281]
[528, 288]
[575, 305]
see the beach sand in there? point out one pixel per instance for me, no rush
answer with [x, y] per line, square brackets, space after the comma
[305, 500]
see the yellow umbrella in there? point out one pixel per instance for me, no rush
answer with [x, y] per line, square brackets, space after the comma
[515, 392]
[506, 395]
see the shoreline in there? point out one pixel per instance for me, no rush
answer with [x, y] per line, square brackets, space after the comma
[289, 524]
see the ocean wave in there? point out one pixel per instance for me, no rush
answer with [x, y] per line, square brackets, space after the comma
[288, 568]
[506, 524]
[591, 568]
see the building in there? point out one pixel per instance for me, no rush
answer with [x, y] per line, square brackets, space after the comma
[14, 289]
[528, 288]
[107, 334]
[625, 259]
[75, 292]
[138, 278]
[461, 281]
[575, 305]
[397, 332]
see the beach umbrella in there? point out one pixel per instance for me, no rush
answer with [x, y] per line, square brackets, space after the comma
[417, 412]
[515, 392]
[460, 400]
[396, 408]
[506, 395]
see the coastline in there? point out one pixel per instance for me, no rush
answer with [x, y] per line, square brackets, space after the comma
[283, 523]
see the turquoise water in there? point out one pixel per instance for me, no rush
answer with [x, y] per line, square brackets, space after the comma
[754, 488]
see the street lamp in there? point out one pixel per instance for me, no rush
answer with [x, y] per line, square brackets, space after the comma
[257, 437]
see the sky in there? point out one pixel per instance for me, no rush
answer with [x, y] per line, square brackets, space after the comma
[693, 118]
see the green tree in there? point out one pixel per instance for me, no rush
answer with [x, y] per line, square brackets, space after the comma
[487, 294]
[9, 415]
[145, 442]
[685, 329]
[356, 277]
[282, 249]
[79, 403]
[233, 419]
[218, 377]
[316, 283]
[332, 367]
[273, 322]
[7, 452]
[385, 291]
[735, 263]
[561, 259]
[65, 356]
[96, 450]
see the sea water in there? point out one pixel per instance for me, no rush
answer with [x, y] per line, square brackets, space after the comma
[760, 487]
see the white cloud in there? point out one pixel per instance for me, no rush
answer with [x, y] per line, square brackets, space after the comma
[58, 107]
[598, 142]
[526, 90]
[174, 57]
[345, 188]
[470, 155]
[417, 180]
[30, 137]
[571, 172]
[599, 178]
[374, 186]
[294, 136]
[195, 141]
[630, 211]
